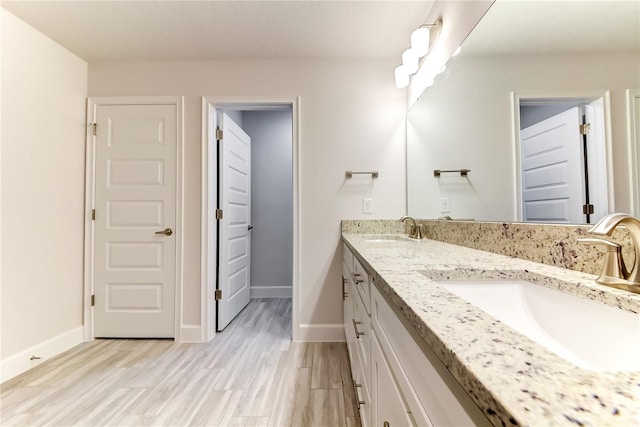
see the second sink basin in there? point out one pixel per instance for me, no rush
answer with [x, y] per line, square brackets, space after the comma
[590, 335]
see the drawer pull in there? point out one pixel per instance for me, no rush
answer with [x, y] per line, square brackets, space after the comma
[358, 401]
[386, 424]
[356, 278]
[355, 328]
[345, 295]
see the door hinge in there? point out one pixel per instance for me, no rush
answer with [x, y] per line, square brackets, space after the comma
[585, 128]
[94, 128]
[219, 134]
[93, 300]
[218, 294]
[93, 214]
[587, 209]
[218, 213]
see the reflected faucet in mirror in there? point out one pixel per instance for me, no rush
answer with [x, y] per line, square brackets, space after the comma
[614, 272]
[415, 231]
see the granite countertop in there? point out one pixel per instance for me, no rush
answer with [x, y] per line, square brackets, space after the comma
[514, 380]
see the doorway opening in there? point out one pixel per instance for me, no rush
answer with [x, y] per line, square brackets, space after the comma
[563, 158]
[249, 206]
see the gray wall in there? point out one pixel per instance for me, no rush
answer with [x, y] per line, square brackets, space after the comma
[236, 116]
[532, 114]
[271, 202]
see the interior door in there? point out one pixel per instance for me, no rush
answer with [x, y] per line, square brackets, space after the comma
[234, 196]
[552, 170]
[134, 226]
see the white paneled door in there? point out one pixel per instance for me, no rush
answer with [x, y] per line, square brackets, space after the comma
[552, 170]
[235, 201]
[135, 219]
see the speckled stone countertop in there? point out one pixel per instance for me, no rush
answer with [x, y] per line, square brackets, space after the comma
[511, 378]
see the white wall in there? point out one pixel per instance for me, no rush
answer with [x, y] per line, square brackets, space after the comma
[464, 121]
[44, 91]
[352, 118]
[271, 202]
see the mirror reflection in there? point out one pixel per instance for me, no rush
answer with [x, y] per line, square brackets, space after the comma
[535, 106]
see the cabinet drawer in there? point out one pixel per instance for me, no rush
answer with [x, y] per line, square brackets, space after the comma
[362, 331]
[363, 398]
[363, 284]
[433, 395]
[347, 255]
[350, 295]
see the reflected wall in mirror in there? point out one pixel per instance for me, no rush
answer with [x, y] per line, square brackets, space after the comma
[470, 119]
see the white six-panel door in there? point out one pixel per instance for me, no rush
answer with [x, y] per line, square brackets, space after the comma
[135, 221]
[235, 202]
[552, 171]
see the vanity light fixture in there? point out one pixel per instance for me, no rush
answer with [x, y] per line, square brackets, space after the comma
[410, 61]
[420, 40]
[402, 77]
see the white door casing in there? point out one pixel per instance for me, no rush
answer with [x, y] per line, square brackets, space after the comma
[234, 196]
[133, 183]
[209, 221]
[552, 174]
[633, 136]
[597, 157]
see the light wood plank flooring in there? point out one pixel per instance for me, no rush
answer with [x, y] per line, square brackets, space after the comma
[251, 374]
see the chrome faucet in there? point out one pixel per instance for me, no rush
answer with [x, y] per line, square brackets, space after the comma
[415, 232]
[614, 272]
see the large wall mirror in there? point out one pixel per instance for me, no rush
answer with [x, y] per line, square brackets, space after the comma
[511, 109]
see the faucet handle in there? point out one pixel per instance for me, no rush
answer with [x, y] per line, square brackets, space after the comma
[613, 265]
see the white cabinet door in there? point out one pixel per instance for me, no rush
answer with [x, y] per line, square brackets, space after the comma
[432, 394]
[388, 406]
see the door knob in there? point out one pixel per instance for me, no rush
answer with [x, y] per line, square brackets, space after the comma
[250, 227]
[166, 232]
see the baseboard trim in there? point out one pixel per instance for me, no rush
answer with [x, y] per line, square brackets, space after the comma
[271, 292]
[18, 363]
[321, 332]
[191, 333]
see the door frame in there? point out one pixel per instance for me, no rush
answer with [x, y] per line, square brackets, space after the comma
[89, 201]
[516, 97]
[209, 104]
[633, 135]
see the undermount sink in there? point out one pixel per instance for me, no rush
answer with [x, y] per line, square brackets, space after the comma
[590, 335]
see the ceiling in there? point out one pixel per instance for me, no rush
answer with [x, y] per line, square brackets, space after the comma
[187, 30]
[550, 27]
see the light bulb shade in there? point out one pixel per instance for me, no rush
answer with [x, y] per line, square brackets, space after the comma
[410, 61]
[402, 77]
[420, 41]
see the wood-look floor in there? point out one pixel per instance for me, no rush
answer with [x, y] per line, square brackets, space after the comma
[251, 374]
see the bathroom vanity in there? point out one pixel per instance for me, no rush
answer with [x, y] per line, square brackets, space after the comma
[422, 355]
